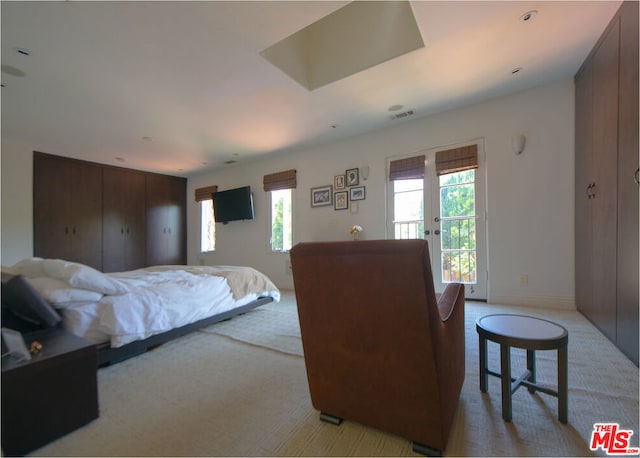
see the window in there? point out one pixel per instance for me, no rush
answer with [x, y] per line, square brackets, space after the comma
[280, 187]
[207, 226]
[281, 220]
[207, 221]
[407, 180]
[408, 209]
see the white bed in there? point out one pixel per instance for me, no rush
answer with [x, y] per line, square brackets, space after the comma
[125, 307]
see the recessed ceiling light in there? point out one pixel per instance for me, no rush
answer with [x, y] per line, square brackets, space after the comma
[23, 51]
[231, 161]
[516, 70]
[528, 16]
[396, 107]
[120, 159]
[147, 139]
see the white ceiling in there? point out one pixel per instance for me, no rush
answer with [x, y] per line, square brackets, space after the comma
[102, 75]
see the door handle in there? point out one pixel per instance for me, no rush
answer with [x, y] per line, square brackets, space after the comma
[437, 232]
[427, 232]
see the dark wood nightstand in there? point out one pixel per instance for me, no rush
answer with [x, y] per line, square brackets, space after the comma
[51, 395]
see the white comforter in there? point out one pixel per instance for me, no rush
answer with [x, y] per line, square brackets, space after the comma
[127, 306]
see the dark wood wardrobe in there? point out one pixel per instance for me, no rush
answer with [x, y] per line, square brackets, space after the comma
[606, 182]
[110, 218]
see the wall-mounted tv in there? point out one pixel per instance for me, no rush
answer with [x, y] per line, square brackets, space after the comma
[233, 204]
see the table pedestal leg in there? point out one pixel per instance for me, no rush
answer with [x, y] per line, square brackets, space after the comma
[482, 351]
[562, 384]
[505, 375]
[531, 366]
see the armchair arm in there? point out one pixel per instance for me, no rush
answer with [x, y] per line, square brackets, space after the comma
[449, 344]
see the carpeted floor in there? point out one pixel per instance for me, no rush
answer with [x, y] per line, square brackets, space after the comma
[239, 388]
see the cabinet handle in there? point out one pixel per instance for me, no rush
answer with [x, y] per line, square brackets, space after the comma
[635, 177]
[127, 230]
[593, 190]
[122, 230]
[74, 230]
[66, 229]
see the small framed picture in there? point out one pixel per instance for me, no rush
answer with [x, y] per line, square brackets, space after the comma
[357, 193]
[341, 200]
[338, 182]
[353, 178]
[321, 196]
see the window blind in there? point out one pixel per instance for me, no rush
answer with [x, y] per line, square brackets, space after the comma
[280, 180]
[205, 193]
[457, 159]
[407, 169]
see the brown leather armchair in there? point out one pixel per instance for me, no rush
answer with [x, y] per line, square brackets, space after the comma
[379, 349]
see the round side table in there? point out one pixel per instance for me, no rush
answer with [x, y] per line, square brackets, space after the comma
[530, 334]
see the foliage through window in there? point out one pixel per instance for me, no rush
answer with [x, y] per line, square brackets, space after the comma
[281, 220]
[458, 223]
[207, 226]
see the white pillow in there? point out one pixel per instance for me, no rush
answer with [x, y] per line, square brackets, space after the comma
[58, 293]
[31, 267]
[83, 277]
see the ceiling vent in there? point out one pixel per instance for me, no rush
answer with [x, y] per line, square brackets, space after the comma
[402, 115]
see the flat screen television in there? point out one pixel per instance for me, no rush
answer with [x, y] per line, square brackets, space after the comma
[23, 309]
[232, 204]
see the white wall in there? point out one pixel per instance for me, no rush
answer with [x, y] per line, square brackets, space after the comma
[530, 198]
[16, 225]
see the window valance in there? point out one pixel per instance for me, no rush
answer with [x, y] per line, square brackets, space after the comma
[280, 180]
[205, 193]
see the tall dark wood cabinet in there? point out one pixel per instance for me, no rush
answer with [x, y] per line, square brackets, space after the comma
[110, 218]
[166, 220]
[124, 223]
[67, 218]
[606, 218]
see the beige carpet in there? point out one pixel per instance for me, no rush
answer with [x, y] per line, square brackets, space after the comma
[239, 388]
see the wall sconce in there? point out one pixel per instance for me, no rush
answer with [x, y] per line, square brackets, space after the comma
[517, 143]
[364, 172]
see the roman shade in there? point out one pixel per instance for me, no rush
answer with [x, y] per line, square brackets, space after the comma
[205, 193]
[457, 159]
[407, 169]
[280, 180]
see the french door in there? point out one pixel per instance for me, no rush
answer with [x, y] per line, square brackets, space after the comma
[448, 211]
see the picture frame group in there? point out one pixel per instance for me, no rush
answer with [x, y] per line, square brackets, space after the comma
[346, 188]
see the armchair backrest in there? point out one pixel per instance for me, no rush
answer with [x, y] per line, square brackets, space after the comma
[378, 349]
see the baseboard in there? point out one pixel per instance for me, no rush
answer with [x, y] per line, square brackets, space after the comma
[553, 302]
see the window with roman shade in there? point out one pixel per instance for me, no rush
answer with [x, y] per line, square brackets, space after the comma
[205, 193]
[280, 187]
[207, 219]
[407, 169]
[280, 180]
[457, 159]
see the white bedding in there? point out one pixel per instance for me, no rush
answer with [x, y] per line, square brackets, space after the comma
[127, 306]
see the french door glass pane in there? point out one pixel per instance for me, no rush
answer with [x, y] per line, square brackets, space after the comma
[458, 227]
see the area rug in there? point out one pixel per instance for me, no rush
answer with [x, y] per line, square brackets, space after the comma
[239, 388]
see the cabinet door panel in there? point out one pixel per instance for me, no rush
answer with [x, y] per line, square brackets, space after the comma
[136, 226]
[51, 208]
[86, 206]
[605, 145]
[124, 228]
[583, 179]
[628, 147]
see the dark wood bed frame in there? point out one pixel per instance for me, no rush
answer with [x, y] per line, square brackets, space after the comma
[108, 356]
